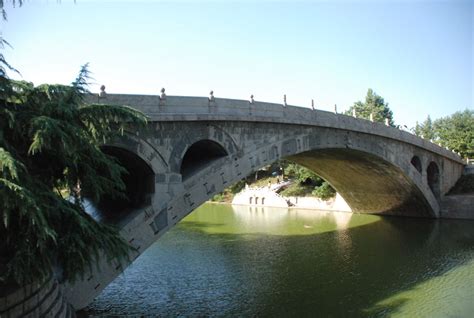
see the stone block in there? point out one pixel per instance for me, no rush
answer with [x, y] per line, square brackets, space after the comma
[16, 311]
[33, 314]
[49, 298]
[160, 178]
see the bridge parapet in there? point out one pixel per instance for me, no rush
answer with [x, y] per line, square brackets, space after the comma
[186, 108]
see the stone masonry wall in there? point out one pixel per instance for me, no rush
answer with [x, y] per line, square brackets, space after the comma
[36, 300]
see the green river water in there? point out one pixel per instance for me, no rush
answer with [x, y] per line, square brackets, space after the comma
[229, 261]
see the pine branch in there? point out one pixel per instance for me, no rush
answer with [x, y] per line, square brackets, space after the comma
[38, 227]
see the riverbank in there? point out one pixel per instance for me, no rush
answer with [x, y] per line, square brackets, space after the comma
[458, 204]
[268, 197]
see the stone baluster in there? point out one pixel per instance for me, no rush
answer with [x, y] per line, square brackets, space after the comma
[163, 97]
[102, 93]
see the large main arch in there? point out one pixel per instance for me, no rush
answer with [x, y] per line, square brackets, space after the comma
[368, 183]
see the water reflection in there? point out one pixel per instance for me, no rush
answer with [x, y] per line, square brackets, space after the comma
[342, 219]
[285, 221]
[221, 261]
[261, 217]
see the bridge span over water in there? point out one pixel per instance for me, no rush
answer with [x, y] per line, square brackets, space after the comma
[194, 147]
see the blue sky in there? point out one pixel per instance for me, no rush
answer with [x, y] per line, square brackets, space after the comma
[418, 55]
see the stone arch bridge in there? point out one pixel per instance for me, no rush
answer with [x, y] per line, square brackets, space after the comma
[195, 147]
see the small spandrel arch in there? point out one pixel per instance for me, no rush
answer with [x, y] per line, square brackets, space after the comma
[139, 180]
[199, 155]
[433, 178]
[416, 162]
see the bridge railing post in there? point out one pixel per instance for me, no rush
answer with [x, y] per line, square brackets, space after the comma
[102, 94]
[162, 102]
[212, 103]
[251, 102]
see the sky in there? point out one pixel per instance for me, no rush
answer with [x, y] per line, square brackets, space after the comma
[418, 55]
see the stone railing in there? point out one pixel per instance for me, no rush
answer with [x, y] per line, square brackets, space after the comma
[187, 108]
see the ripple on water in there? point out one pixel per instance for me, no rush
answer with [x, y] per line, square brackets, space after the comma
[219, 262]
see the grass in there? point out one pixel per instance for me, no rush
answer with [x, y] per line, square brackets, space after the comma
[297, 190]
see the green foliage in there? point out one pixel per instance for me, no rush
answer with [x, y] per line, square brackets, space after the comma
[374, 104]
[237, 187]
[308, 183]
[426, 129]
[455, 132]
[228, 194]
[324, 191]
[297, 190]
[302, 174]
[220, 197]
[50, 141]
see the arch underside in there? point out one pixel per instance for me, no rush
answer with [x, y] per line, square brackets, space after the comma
[199, 155]
[139, 188]
[368, 183]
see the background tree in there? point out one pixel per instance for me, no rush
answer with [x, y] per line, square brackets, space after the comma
[373, 104]
[324, 191]
[301, 174]
[307, 182]
[426, 129]
[456, 132]
[50, 141]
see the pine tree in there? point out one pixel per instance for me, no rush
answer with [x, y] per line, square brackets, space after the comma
[426, 129]
[375, 105]
[50, 141]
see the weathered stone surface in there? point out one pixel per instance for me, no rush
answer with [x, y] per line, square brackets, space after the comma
[368, 163]
[458, 207]
[36, 300]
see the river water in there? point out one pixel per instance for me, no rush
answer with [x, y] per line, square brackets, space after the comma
[232, 261]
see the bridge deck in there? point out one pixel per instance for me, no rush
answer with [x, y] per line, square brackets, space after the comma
[184, 108]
